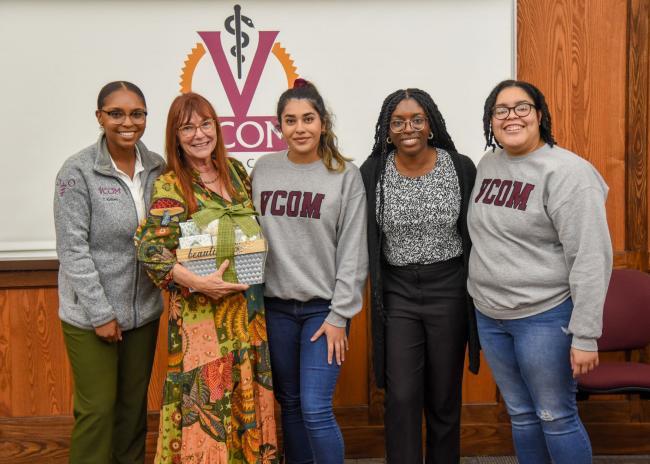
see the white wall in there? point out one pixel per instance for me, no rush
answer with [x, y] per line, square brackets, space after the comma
[56, 55]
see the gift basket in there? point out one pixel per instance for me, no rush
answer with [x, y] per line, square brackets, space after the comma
[216, 233]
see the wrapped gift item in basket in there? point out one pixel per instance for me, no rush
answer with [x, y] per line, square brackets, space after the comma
[250, 257]
[219, 233]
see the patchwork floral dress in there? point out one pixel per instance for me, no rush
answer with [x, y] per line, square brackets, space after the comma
[218, 399]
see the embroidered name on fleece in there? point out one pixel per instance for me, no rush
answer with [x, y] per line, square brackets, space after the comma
[292, 204]
[507, 193]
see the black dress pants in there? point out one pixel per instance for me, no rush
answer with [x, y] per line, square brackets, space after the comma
[426, 335]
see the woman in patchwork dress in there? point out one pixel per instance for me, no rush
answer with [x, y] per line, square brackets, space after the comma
[218, 398]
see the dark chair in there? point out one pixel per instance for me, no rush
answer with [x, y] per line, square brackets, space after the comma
[626, 326]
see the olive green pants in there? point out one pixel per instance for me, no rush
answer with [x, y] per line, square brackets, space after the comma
[110, 394]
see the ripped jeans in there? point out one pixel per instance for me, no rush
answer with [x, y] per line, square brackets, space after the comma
[530, 361]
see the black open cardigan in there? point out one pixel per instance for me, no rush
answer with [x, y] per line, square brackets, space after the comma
[370, 172]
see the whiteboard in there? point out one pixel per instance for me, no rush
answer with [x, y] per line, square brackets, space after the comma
[56, 55]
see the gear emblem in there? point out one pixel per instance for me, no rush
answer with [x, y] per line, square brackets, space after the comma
[198, 52]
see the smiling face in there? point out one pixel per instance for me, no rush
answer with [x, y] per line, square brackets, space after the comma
[301, 127]
[199, 146]
[516, 134]
[121, 135]
[410, 142]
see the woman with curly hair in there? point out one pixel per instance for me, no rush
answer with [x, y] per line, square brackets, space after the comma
[538, 272]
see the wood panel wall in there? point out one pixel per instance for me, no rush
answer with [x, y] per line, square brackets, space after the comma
[590, 58]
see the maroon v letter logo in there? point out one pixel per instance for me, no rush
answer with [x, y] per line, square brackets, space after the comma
[240, 102]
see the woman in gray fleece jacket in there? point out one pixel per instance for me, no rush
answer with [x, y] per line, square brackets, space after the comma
[108, 307]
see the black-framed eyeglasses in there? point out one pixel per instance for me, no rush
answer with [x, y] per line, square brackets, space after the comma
[521, 109]
[399, 125]
[118, 116]
[189, 130]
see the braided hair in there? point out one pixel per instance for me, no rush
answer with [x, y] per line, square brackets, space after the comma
[538, 100]
[382, 147]
[441, 139]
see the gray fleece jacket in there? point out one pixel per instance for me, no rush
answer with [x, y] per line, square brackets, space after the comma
[95, 218]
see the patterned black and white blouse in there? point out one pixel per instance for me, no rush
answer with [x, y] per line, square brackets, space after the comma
[420, 214]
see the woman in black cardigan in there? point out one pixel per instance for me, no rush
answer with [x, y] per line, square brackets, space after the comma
[418, 189]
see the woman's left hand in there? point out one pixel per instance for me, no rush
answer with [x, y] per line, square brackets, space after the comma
[583, 361]
[337, 341]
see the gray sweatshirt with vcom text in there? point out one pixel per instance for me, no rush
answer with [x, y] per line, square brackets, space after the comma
[315, 223]
[539, 236]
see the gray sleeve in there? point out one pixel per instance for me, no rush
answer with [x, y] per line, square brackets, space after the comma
[72, 216]
[351, 255]
[581, 224]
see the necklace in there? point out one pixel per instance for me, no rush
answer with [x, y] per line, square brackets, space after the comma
[211, 181]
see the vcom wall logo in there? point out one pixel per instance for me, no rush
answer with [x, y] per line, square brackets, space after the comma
[243, 132]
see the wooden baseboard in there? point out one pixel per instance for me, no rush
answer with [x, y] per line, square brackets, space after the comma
[26, 440]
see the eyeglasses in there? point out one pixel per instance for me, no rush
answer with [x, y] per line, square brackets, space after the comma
[521, 110]
[399, 125]
[118, 116]
[189, 130]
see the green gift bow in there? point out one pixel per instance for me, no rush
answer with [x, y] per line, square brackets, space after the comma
[229, 217]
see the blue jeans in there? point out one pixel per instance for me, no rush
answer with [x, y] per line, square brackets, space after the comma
[530, 360]
[303, 381]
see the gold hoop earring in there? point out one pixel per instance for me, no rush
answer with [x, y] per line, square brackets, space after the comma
[388, 140]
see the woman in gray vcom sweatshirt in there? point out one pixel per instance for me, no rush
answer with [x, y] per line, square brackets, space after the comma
[538, 272]
[312, 208]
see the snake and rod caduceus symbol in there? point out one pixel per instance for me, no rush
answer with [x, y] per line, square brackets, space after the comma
[241, 38]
